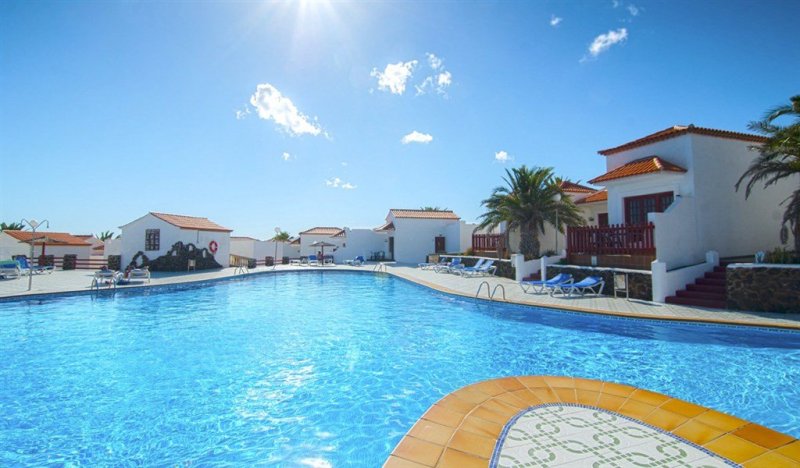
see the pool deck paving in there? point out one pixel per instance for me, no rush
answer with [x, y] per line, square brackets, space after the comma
[506, 290]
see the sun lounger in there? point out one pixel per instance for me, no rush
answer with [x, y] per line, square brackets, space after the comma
[26, 267]
[433, 265]
[107, 278]
[312, 260]
[358, 261]
[10, 269]
[139, 274]
[590, 283]
[485, 268]
[448, 267]
[539, 286]
[295, 262]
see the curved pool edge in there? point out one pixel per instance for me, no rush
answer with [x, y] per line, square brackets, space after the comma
[226, 275]
[466, 427]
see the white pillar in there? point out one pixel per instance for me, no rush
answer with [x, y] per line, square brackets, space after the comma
[659, 278]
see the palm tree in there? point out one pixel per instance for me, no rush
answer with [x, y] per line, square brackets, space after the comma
[433, 208]
[527, 202]
[778, 158]
[105, 235]
[11, 226]
[282, 237]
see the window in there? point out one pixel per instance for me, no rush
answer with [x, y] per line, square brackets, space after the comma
[602, 219]
[152, 239]
[636, 208]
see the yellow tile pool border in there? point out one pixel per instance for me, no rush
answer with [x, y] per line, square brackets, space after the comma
[746, 323]
[462, 428]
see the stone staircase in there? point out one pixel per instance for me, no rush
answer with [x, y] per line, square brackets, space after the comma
[706, 291]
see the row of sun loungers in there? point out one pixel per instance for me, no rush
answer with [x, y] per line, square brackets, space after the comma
[20, 267]
[484, 267]
[563, 283]
[111, 278]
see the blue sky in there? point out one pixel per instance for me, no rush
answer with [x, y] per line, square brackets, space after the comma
[290, 114]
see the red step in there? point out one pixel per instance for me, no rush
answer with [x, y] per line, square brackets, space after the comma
[691, 301]
[712, 296]
[710, 281]
[706, 288]
[720, 269]
[715, 275]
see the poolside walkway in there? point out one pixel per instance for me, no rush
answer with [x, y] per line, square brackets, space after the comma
[80, 280]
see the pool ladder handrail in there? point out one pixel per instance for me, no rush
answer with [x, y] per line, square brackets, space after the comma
[491, 292]
[380, 268]
[96, 285]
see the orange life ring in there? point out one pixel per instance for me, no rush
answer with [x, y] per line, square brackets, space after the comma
[212, 246]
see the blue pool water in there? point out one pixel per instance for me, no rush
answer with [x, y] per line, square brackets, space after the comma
[328, 369]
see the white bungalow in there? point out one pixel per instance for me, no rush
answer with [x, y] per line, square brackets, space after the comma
[57, 244]
[330, 235]
[155, 233]
[413, 234]
[682, 180]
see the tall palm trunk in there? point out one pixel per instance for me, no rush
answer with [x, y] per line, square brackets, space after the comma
[529, 241]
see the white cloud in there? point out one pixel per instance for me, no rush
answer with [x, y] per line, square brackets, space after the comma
[603, 42]
[445, 79]
[272, 105]
[502, 157]
[242, 113]
[434, 61]
[286, 156]
[394, 76]
[616, 3]
[344, 164]
[554, 20]
[416, 137]
[339, 183]
[633, 9]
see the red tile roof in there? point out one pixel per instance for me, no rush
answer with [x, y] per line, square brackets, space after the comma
[51, 238]
[323, 231]
[648, 165]
[568, 186]
[598, 196]
[190, 222]
[295, 241]
[423, 214]
[389, 226]
[341, 233]
[679, 130]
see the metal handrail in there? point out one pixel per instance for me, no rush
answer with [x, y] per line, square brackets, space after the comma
[488, 289]
[380, 267]
[495, 291]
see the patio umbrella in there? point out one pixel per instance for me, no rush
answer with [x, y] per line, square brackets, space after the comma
[43, 239]
[322, 244]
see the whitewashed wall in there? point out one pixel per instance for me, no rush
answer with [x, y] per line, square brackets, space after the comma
[363, 242]
[727, 222]
[414, 238]
[112, 247]
[677, 236]
[133, 239]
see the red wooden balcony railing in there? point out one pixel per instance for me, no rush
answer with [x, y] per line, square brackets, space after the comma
[487, 242]
[617, 239]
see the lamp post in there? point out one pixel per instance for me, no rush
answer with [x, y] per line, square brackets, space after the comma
[557, 199]
[275, 258]
[34, 225]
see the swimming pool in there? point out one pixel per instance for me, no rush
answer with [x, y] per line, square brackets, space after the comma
[328, 368]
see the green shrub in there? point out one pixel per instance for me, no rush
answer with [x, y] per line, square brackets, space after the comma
[781, 255]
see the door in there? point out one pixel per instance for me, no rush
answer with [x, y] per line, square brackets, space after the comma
[636, 208]
[391, 248]
[602, 219]
[438, 244]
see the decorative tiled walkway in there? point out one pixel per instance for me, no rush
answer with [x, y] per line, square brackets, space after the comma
[562, 421]
[563, 434]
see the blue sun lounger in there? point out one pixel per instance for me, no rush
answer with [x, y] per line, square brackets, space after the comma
[590, 283]
[539, 286]
[26, 267]
[485, 268]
